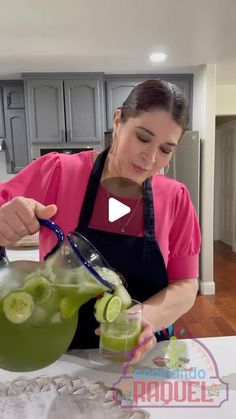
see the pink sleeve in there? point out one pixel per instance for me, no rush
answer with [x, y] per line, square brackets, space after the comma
[38, 181]
[53, 179]
[184, 239]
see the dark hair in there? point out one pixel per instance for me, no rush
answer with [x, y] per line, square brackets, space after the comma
[156, 94]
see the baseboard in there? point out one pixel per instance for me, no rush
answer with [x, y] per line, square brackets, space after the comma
[234, 247]
[206, 288]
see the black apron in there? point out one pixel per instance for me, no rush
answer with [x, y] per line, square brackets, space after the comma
[138, 259]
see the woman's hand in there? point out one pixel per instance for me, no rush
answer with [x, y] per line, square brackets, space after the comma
[19, 217]
[146, 342]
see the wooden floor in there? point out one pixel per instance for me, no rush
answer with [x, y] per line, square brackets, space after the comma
[215, 315]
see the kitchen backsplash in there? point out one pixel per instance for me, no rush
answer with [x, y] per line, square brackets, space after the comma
[3, 170]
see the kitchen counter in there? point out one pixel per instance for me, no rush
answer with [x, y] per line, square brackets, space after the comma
[23, 253]
[214, 357]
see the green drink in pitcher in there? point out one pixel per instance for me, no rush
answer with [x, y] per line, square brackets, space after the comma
[40, 302]
[38, 316]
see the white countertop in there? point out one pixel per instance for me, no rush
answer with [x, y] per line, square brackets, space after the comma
[216, 356]
[23, 253]
[207, 354]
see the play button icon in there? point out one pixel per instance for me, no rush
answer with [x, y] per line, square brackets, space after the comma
[116, 209]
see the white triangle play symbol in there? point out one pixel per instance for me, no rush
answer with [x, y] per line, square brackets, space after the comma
[116, 210]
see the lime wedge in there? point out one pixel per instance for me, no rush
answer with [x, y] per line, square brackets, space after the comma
[68, 307]
[39, 287]
[123, 294]
[113, 308]
[18, 306]
[100, 307]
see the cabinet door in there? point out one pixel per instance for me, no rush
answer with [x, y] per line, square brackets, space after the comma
[116, 93]
[84, 111]
[185, 83]
[16, 140]
[14, 96]
[2, 121]
[118, 89]
[45, 111]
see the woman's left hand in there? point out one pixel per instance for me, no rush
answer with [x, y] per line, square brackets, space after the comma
[146, 342]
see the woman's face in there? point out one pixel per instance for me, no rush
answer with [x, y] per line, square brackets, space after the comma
[143, 145]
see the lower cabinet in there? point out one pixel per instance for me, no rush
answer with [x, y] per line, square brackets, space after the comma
[16, 140]
[13, 125]
[2, 119]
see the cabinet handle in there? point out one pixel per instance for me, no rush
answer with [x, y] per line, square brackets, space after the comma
[8, 101]
[3, 145]
[62, 135]
[69, 135]
[12, 164]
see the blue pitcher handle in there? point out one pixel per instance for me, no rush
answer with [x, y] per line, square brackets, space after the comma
[45, 223]
[56, 229]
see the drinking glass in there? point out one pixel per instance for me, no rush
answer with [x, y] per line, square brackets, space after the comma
[119, 339]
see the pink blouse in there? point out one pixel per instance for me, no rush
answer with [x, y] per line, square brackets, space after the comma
[62, 180]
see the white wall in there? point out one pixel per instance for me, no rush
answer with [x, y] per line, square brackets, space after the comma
[217, 200]
[204, 101]
[226, 100]
[226, 130]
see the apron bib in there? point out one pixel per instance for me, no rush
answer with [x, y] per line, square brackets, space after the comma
[138, 259]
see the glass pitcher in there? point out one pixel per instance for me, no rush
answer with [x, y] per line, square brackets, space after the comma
[39, 301]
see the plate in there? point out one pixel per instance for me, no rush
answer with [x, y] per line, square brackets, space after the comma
[61, 391]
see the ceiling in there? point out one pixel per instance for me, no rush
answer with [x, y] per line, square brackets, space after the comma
[116, 36]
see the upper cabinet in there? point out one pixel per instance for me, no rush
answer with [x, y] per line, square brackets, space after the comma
[13, 124]
[117, 89]
[45, 111]
[84, 111]
[65, 110]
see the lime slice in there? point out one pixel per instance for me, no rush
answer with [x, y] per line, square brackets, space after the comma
[18, 306]
[39, 287]
[100, 307]
[123, 294]
[68, 307]
[113, 308]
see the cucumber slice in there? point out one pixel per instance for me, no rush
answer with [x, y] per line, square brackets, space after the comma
[18, 306]
[123, 294]
[39, 287]
[113, 309]
[100, 307]
[68, 307]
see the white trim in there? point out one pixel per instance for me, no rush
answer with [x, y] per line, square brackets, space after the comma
[207, 288]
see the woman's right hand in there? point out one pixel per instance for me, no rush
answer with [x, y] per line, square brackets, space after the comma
[19, 217]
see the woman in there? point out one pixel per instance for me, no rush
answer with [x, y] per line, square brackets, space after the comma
[156, 245]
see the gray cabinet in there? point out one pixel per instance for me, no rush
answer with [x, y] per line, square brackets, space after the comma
[83, 111]
[68, 110]
[14, 96]
[13, 125]
[118, 88]
[45, 111]
[2, 119]
[17, 148]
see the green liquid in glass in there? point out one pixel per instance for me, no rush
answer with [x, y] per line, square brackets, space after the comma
[120, 338]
